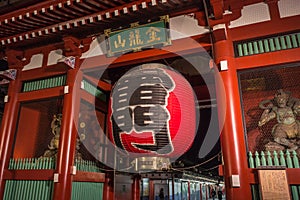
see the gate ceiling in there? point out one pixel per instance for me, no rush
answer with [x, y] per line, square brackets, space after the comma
[80, 18]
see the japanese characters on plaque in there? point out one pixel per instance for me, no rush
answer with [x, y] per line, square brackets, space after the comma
[273, 184]
[138, 37]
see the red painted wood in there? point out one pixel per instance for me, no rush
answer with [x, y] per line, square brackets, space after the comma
[91, 99]
[41, 94]
[67, 142]
[231, 126]
[189, 190]
[200, 191]
[265, 28]
[267, 59]
[273, 9]
[151, 189]
[108, 190]
[84, 176]
[136, 188]
[8, 129]
[29, 174]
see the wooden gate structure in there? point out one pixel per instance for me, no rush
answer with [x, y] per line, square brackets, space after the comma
[54, 117]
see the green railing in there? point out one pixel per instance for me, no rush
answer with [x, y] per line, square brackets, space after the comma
[27, 189]
[44, 83]
[43, 190]
[86, 165]
[271, 44]
[31, 163]
[274, 159]
[94, 90]
[87, 190]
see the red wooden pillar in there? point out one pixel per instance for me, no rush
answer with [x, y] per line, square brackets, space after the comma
[189, 190]
[200, 194]
[108, 191]
[232, 132]
[136, 188]
[151, 189]
[8, 128]
[67, 142]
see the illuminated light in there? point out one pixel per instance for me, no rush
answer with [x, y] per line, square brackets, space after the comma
[134, 7]
[144, 5]
[152, 112]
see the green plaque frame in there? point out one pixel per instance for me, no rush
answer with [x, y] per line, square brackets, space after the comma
[138, 37]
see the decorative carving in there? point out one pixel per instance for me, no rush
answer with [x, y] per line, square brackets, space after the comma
[15, 58]
[54, 143]
[286, 132]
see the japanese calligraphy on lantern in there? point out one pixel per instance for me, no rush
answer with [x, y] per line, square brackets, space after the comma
[151, 112]
[138, 37]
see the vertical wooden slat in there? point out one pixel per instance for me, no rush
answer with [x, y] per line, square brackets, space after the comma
[269, 159]
[281, 158]
[294, 41]
[257, 160]
[263, 159]
[240, 50]
[298, 39]
[26, 182]
[251, 162]
[276, 161]
[266, 45]
[261, 46]
[250, 48]
[25, 87]
[255, 47]
[277, 44]
[245, 49]
[272, 45]
[282, 42]
[288, 41]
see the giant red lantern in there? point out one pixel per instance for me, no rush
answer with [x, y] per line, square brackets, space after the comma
[152, 112]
